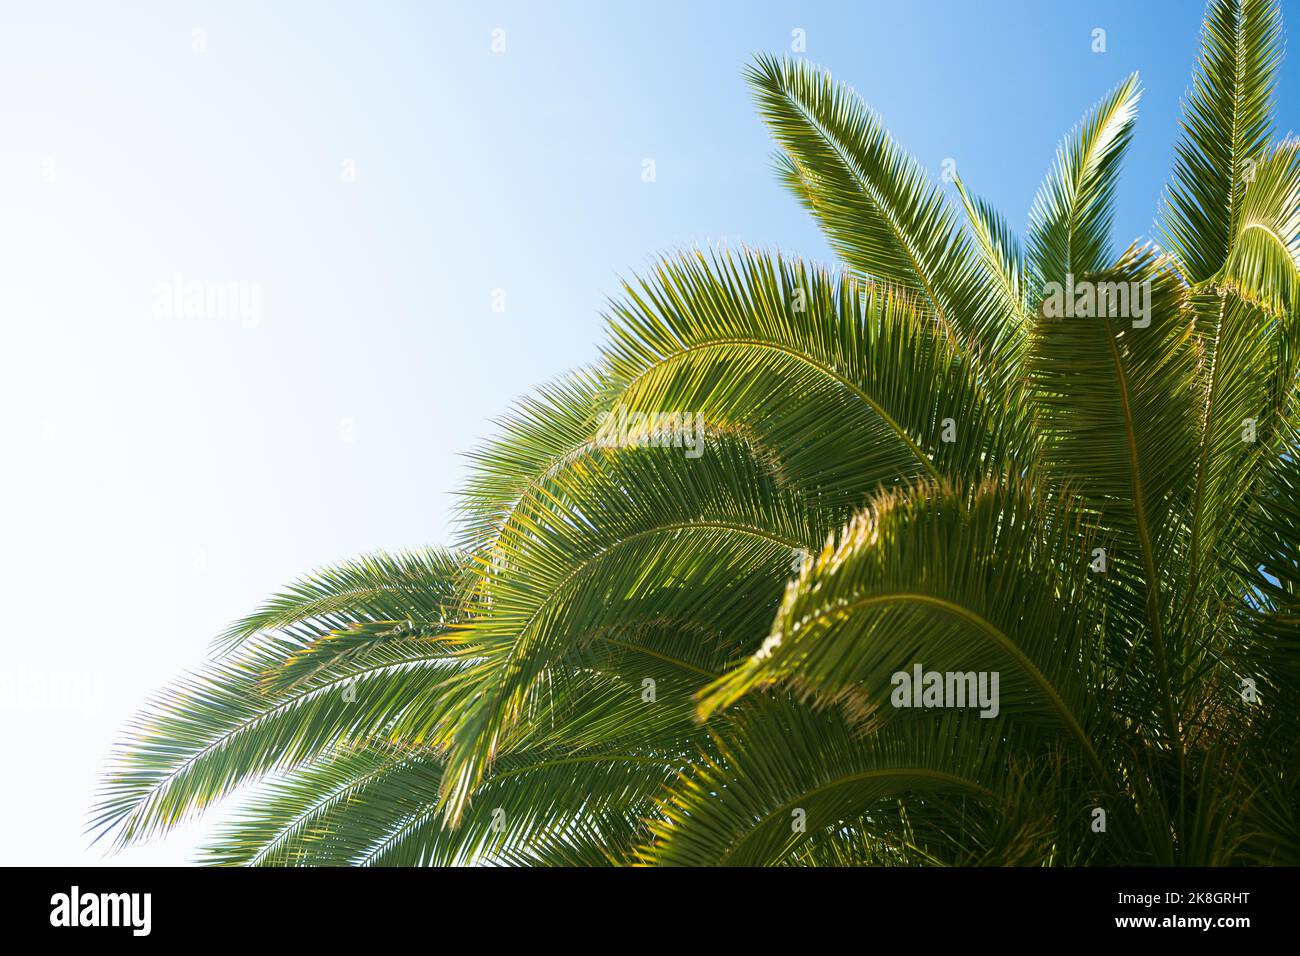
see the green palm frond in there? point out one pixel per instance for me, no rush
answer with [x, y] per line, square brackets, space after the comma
[1241, 417]
[1003, 290]
[1227, 123]
[633, 532]
[783, 772]
[1114, 403]
[222, 727]
[1264, 262]
[292, 825]
[376, 804]
[988, 580]
[1070, 222]
[410, 585]
[879, 210]
[847, 383]
[544, 429]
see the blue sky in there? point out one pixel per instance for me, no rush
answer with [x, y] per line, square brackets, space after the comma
[376, 172]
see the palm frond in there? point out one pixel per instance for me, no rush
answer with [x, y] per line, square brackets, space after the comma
[783, 772]
[1070, 223]
[988, 580]
[409, 585]
[880, 212]
[1227, 122]
[1264, 262]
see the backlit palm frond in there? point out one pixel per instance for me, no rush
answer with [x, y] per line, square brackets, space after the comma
[1242, 355]
[1003, 295]
[784, 775]
[539, 434]
[410, 585]
[1114, 400]
[223, 727]
[987, 580]
[631, 532]
[548, 796]
[847, 383]
[1227, 123]
[879, 210]
[1070, 222]
[1264, 262]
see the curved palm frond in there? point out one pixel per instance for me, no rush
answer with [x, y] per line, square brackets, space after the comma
[782, 772]
[408, 585]
[964, 582]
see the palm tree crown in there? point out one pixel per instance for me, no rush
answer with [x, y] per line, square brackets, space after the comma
[1064, 464]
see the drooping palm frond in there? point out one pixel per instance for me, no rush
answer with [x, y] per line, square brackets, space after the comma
[634, 532]
[375, 804]
[409, 585]
[847, 383]
[1263, 264]
[922, 577]
[315, 665]
[221, 728]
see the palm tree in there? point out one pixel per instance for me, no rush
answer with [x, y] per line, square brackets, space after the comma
[640, 654]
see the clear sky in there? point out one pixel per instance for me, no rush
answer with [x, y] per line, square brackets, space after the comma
[374, 178]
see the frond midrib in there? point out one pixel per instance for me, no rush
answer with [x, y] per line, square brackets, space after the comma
[730, 342]
[987, 627]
